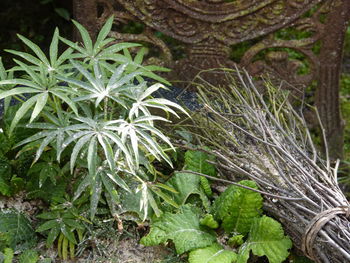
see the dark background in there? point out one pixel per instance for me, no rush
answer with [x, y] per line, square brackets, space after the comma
[34, 19]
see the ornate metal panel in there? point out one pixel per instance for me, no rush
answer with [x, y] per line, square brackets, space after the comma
[208, 28]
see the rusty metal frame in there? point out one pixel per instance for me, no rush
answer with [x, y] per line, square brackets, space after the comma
[209, 27]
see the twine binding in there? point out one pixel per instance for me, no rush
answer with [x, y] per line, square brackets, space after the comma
[316, 225]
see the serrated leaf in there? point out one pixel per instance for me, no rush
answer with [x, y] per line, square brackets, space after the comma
[182, 228]
[238, 207]
[266, 238]
[213, 254]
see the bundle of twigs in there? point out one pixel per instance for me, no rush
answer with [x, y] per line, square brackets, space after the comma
[264, 138]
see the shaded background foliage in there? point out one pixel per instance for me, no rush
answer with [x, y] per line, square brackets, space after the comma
[35, 19]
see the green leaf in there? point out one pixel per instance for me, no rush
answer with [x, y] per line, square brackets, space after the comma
[236, 241]
[238, 207]
[197, 161]
[209, 221]
[22, 111]
[54, 47]
[85, 37]
[36, 49]
[182, 228]
[187, 184]
[266, 238]
[15, 91]
[104, 32]
[51, 237]
[18, 228]
[8, 255]
[26, 56]
[96, 191]
[48, 225]
[29, 256]
[68, 233]
[213, 254]
[40, 104]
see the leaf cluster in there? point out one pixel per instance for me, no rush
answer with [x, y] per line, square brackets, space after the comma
[237, 211]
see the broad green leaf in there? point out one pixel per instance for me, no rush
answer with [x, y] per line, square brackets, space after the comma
[18, 228]
[213, 254]
[187, 184]
[197, 161]
[5, 187]
[237, 208]
[266, 238]
[182, 228]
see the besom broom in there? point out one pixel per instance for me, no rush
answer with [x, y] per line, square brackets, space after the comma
[263, 137]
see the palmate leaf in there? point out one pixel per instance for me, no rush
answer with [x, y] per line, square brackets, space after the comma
[266, 238]
[182, 228]
[237, 208]
[213, 254]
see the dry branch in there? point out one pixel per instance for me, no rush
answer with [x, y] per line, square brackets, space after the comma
[264, 138]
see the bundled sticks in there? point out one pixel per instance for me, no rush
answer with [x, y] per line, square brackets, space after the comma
[260, 135]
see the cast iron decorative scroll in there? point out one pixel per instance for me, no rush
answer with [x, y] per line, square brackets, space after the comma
[209, 27]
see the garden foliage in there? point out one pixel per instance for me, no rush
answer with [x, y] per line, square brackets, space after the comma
[84, 138]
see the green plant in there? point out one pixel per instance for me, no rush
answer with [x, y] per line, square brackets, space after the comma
[94, 103]
[16, 231]
[239, 212]
[64, 223]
